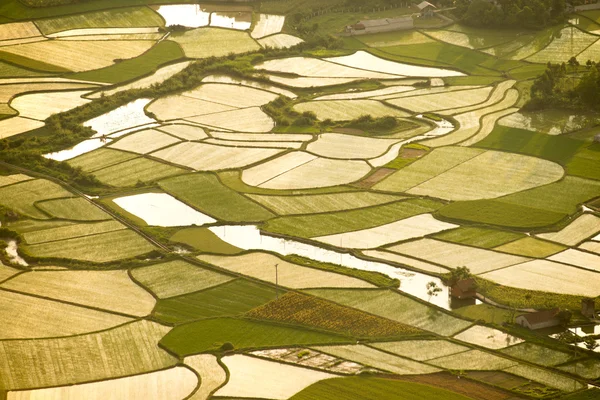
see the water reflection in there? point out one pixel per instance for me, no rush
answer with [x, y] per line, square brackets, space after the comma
[249, 237]
[234, 20]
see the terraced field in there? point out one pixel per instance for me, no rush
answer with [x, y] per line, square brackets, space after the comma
[243, 201]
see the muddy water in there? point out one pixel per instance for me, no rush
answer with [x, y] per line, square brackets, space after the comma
[249, 237]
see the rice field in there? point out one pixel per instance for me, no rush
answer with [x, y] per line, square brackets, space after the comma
[487, 337]
[531, 247]
[80, 56]
[304, 171]
[582, 228]
[211, 374]
[35, 317]
[99, 159]
[179, 106]
[123, 351]
[474, 360]
[6, 180]
[267, 25]
[236, 96]
[428, 177]
[261, 266]
[421, 350]
[578, 258]
[22, 197]
[299, 309]
[394, 39]
[404, 261]
[548, 276]
[442, 101]
[317, 68]
[210, 157]
[284, 380]
[499, 92]
[138, 170]
[546, 377]
[304, 82]
[184, 131]
[537, 354]
[106, 290]
[340, 146]
[322, 203]
[249, 83]
[207, 194]
[453, 255]
[17, 125]
[208, 42]
[178, 382]
[42, 105]
[280, 41]
[71, 231]
[352, 95]
[144, 142]
[100, 248]
[588, 368]
[404, 229]
[176, 278]
[346, 110]
[566, 44]
[486, 238]
[251, 119]
[394, 306]
[18, 30]
[121, 119]
[378, 359]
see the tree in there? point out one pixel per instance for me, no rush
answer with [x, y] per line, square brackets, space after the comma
[432, 289]
[590, 343]
[458, 274]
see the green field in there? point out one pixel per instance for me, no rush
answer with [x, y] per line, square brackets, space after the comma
[359, 388]
[142, 170]
[487, 313]
[207, 194]
[162, 53]
[132, 17]
[344, 221]
[13, 71]
[226, 300]
[77, 209]
[479, 237]
[531, 247]
[203, 240]
[101, 248]
[394, 306]
[23, 196]
[208, 42]
[31, 64]
[537, 354]
[72, 231]
[101, 158]
[211, 334]
[176, 278]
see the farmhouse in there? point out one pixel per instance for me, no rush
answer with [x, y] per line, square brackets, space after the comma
[540, 319]
[464, 289]
[380, 25]
[426, 9]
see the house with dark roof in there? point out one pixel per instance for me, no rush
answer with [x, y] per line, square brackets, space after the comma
[464, 289]
[540, 319]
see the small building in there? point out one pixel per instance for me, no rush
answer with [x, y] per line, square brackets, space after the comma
[426, 9]
[540, 319]
[588, 308]
[464, 289]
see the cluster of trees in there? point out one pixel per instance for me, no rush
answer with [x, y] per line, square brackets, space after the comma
[564, 86]
[534, 14]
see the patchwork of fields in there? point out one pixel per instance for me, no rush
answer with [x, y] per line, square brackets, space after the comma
[222, 201]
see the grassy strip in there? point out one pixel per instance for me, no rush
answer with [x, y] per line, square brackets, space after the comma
[363, 388]
[300, 309]
[523, 298]
[164, 52]
[226, 300]
[375, 278]
[30, 63]
[12, 71]
[213, 334]
[346, 221]
[204, 192]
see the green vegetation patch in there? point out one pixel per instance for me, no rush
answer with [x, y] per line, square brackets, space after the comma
[127, 70]
[71, 231]
[77, 209]
[137, 171]
[101, 248]
[589, 368]
[395, 306]
[30, 63]
[361, 388]
[487, 313]
[100, 158]
[211, 334]
[22, 196]
[209, 42]
[531, 247]
[203, 240]
[13, 71]
[226, 300]
[345, 221]
[479, 237]
[28, 225]
[206, 193]
[537, 354]
[130, 17]
[300, 309]
[176, 278]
